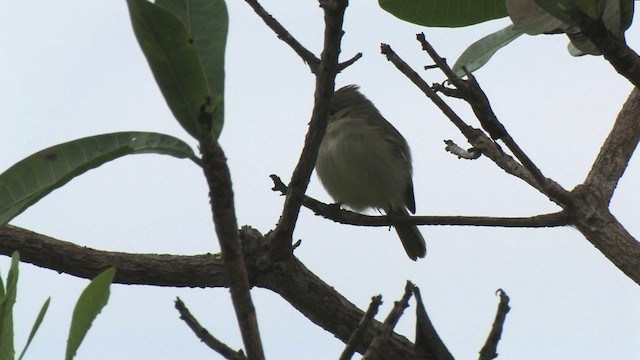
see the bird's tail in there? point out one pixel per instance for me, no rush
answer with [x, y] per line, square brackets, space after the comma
[410, 236]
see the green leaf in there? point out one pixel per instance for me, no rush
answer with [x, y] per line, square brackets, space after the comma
[174, 61]
[445, 13]
[35, 327]
[31, 179]
[7, 351]
[479, 53]
[208, 23]
[91, 301]
[532, 18]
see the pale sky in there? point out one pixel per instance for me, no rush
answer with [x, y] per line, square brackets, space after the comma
[73, 69]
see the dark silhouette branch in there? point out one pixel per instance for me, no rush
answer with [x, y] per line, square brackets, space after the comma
[307, 56]
[358, 334]
[325, 83]
[615, 154]
[490, 349]
[332, 212]
[218, 178]
[477, 138]
[587, 205]
[204, 335]
[623, 59]
[289, 278]
[473, 94]
[379, 346]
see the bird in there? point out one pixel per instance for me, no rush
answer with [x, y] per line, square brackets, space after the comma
[364, 162]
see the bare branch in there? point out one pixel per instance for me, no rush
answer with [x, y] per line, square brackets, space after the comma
[305, 291]
[142, 269]
[204, 335]
[591, 216]
[470, 154]
[358, 334]
[379, 346]
[218, 178]
[346, 64]
[624, 59]
[284, 35]
[614, 156]
[490, 349]
[391, 55]
[325, 83]
[473, 94]
[334, 213]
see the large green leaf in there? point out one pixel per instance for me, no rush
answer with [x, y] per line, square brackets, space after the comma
[91, 301]
[476, 55]
[445, 13]
[31, 179]
[208, 23]
[174, 61]
[7, 301]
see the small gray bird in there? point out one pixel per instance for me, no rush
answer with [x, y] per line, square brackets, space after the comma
[364, 162]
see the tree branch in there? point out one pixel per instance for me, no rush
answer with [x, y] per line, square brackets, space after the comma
[490, 349]
[284, 35]
[325, 82]
[331, 212]
[615, 154]
[218, 178]
[473, 94]
[364, 324]
[378, 348]
[204, 335]
[306, 292]
[624, 59]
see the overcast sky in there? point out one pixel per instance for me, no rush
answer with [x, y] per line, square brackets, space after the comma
[72, 69]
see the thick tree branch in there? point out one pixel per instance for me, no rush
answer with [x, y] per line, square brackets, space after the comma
[306, 292]
[325, 83]
[617, 150]
[591, 216]
[218, 178]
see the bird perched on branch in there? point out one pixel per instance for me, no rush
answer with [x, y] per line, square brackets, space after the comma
[364, 162]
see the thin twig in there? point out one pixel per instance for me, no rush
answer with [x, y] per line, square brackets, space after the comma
[378, 348]
[391, 55]
[490, 349]
[346, 64]
[357, 336]
[204, 335]
[473, 94]
[332, 212]
[284, 35]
